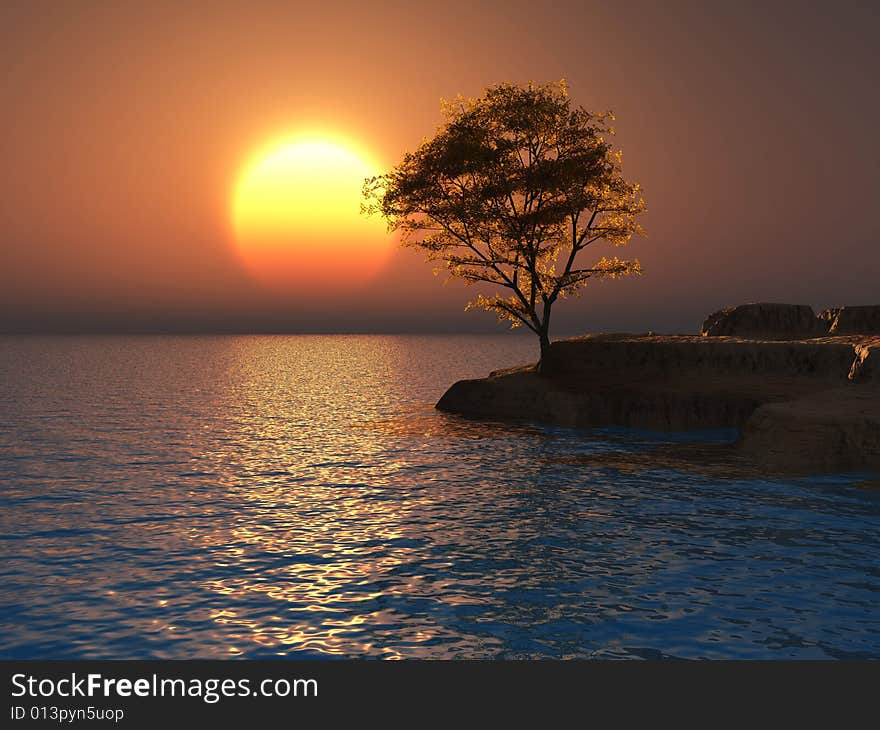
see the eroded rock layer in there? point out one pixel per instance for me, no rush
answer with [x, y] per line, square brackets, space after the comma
[775, 391]
[789, 321]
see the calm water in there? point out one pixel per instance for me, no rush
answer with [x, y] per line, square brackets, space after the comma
[179, 497]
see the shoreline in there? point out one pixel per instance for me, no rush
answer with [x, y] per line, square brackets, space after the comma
[800, 406]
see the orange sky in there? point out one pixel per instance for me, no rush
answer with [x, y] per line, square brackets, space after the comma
[752, 130]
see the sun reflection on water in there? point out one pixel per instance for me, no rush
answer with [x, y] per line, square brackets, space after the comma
[299, 497]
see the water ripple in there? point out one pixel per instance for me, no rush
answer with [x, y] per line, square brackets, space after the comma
[178, 497]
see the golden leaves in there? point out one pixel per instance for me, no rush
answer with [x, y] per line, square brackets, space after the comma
[508, 192]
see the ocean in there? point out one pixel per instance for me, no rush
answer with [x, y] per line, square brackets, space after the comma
[177, 497]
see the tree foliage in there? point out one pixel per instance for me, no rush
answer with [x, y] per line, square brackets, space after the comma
[510, 190]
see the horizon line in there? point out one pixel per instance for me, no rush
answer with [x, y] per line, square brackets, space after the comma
[342, 333]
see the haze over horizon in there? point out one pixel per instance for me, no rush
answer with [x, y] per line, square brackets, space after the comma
[751, 128]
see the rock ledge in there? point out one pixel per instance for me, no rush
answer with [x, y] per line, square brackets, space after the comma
[810, 405]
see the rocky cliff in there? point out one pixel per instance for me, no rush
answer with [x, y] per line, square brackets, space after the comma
[810, 404]
[791, 321]
[855, 320]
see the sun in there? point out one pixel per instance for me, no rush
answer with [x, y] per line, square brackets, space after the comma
[296, 216]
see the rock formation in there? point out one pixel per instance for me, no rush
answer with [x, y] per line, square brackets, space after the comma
[828, 316]
[829, 430]
[765, 321]
[810, 404]
[856, 320]
[791, 321]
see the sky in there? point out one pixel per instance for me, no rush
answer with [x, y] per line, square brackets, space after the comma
[750, 125]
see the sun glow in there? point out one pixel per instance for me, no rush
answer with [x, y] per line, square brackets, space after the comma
[296, 215]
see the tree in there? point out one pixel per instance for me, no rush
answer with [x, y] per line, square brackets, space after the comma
[510, 190]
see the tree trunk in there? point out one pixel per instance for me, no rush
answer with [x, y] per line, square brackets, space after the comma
[545, 351]
[544, 337]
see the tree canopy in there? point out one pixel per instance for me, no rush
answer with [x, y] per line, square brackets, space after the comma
[512, 187]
